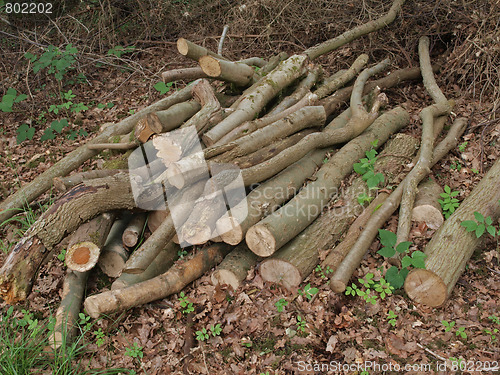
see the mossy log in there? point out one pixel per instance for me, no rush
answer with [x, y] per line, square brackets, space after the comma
[452, 246]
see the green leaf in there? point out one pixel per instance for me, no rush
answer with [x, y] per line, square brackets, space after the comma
[480, 230]
[488, 220]
[59, 125]
[406, 261]
[491, 230]
[479, 217]
[447, 189]
[47, 134]
[403, 247]
[418, 259]
[469, 225]
[359, 168]
[20, 98]
[387, 238]
[161, 87]
[387, 252]
[395, 277]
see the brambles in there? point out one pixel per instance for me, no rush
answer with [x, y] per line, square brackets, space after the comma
[10, 98]
[24, 132]
[56, 61]
[365, 168]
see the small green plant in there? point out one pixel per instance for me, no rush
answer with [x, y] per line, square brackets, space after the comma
[308, 292]
[462, 146]
[74, 134]
[181, 253]
[10, 98]
[365, 168]
[62, 255]
[456, 165]
[280, 304]
[57, 62]
[479, 226]
[392, 318]
[216, 330]
[24, 132]
[102, 105]
[494, 319]
[364, 198]
[185, 304]
[449, 203]
[84, 321]
[323, 273]
[118, 51]
[474, 170]
[246, 342]
[202, 335]
[493, 334]
[55, 126]
[461, 332]
[394, 275]
[135, 351]
[382, 287]
[448, 326]
[100, 337]
[301, 324]
[163, 88]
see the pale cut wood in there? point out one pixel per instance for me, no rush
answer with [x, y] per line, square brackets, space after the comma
[133, 230]
[114, 254]
[234, 268]
[427, 208]
[238, 73]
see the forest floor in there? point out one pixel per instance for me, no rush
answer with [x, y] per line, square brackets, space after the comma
[261, 333]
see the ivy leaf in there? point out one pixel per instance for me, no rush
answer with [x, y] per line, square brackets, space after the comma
[387, 238]
[403, 247]
[469, 225]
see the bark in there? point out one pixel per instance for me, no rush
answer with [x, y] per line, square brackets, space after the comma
[181, 207]
[234, 268]
[428, 115]
[114, 254]
[300, 91]
[252, 103]
[12, 205]
[427, 208]
[192, 168]
[274, 231]
[170, 282]
[133, 230]
[173, 117]
[250, 126]
[238, 73]
[194, 51]
[163, 261]
[185, 74]
[78, 205]
[62, 184]
[445, 263]
[273, 63]
[341, 277]
[66, 328]
[155, 218]
[357, 124]
[146, 127]
[86, 243]
[254, 61]
[340, 80]
[327, 229]
[350, 35]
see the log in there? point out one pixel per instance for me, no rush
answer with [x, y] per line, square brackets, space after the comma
[340, 80]
[238, 73]
[62, 184]
[342, 275]
[10, 206]
[444, 264]
[147, 126]
[194, 51]
[174, 116]
[185, 74]
[327, 229]
[114, 254]
[180, 207]
[250, 104]
[74, 284]
[133, 230]
[290, 265]
[86, 243]
[170, 282]
[234, 268]
[163, 261]
[360, 120]
[277, 229]
[358, 31]
[427, 208]
[78, 205]
[155, 218]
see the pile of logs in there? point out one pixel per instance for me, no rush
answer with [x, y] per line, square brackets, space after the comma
[292, 149]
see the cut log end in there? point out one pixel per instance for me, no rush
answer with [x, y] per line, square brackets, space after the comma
[428, 214]
[182, 46]
[230, 230]
[175, 177]
[261, 241]
[91, 306]
[82, 256]
[196, 234]
[425, 287]
[337, 286]
[130, 238]
[280, 272]
[111, 264]
[210, 66]
[221, 277]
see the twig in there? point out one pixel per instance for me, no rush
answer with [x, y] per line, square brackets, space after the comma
[222, 38]
[431, 352]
